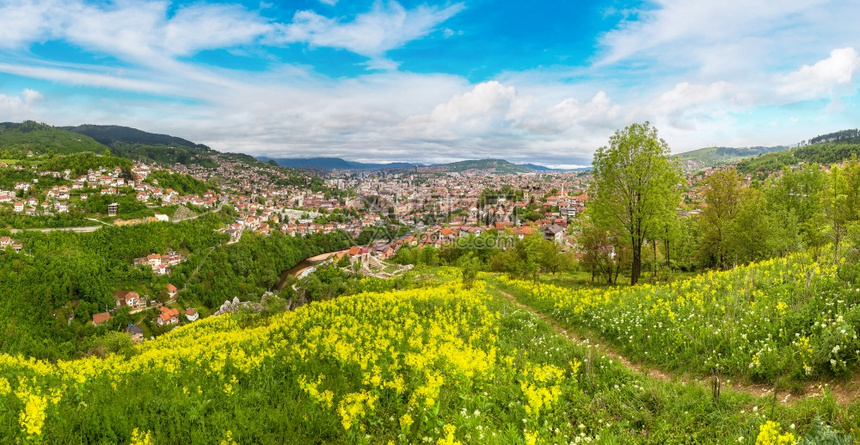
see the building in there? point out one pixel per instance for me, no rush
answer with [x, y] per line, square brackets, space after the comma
[135, 332]
[167, 316]
[113, 209]
[101, 318]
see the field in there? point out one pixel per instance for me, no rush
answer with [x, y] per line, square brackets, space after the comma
[440, 364]
[785, 320]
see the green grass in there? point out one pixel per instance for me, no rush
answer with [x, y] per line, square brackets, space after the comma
[783, 320]
[460, 363]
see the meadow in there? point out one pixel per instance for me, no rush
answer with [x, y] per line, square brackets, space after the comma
[784, 320]
[437, 365]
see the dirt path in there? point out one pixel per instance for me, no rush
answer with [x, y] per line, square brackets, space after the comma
[844, 393]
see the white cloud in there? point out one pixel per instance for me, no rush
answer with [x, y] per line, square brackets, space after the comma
[20, 106]
[139, 31]
[823, 79]
[385, 27]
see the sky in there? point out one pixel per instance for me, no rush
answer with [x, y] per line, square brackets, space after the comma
[542, 81]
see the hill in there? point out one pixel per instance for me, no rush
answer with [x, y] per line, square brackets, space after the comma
[440, 364]
[335, 164]
[712, 156]
[824, 153]
[112, 134]
[16, 140]
[494, 166]
[153, 147]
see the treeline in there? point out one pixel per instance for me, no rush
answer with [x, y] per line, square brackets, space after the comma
[528, 257]
[81, 163]
[822, 153]
[844, 136]
[51, 289]
[253, 266]
[183, 184]
[18, 139]
[165, 154]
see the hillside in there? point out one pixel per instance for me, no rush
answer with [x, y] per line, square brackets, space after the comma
[335, 163]
[495, 166]
[441, 365]
[823, 153]
[712, 156]
[16, 140]
[112, 134]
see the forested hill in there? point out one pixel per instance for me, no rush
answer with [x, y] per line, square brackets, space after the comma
[112, 134]
[713, 156]
[825, 149]
[17, 140]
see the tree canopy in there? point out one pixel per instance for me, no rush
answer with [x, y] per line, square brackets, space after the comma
[635, 187]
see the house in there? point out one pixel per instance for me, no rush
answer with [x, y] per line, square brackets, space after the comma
[5, 241]
[171, 291]
[554, 233]
[101, 318]
[135, 332]
[131, 299]
[167, 316]
[19, 207]
[191, 314]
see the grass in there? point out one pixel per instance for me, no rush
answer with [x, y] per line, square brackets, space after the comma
[786, 320]
[439, 364]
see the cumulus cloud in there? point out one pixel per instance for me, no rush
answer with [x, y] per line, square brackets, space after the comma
[142, 32]
[21, 105]
[385, 27]
[823, 79]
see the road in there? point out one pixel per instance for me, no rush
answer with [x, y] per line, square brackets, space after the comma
[86, 229]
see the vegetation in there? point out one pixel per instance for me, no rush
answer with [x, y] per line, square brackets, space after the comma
[825, 153]
[636, 188]
[713, 156]
[436, 365]
[18, 140]
[789, 318]
[182, 184]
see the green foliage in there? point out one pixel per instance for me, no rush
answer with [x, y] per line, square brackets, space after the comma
[635, 187]
[183, 184]
[787, 319]
[17, 140]
[713, 156]
[81, 163]
[822, 153]
[252, 266]
[79, 272]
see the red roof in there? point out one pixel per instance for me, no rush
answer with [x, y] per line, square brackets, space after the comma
[101, 318]
[171, 288]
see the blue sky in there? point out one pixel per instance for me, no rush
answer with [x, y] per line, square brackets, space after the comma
[543, 81]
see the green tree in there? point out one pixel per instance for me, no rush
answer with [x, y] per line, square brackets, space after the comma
[722, 195]
[635, 187]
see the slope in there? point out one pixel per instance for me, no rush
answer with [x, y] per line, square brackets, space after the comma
[442, 364]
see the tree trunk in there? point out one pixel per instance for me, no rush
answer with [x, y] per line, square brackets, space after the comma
[666, 246]
[636, 268]
[654, 266]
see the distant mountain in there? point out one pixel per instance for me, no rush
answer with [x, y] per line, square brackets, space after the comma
[16, 140]
[335, 164]
[713, 156]
[494, 165]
